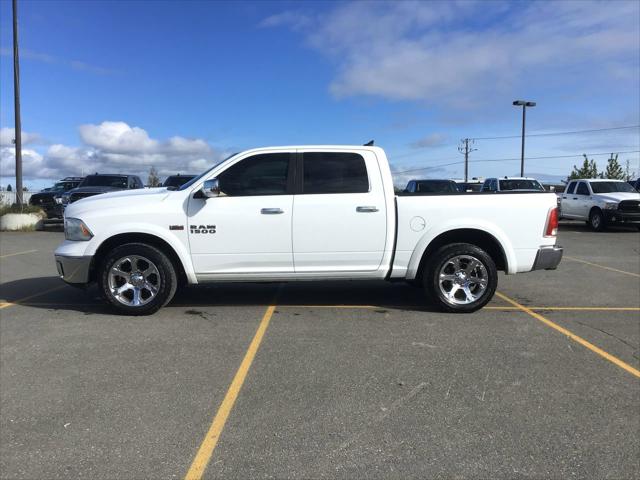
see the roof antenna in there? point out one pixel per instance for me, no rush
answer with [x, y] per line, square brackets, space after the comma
[369, 143]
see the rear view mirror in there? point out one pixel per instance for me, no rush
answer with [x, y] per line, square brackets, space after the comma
[210, 188]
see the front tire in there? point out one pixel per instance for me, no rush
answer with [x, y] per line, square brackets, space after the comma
[137, 279]
[597, 221]
[460, 278]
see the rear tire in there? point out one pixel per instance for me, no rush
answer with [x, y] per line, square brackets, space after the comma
[597, 221]
[137, 279]
[460, 278]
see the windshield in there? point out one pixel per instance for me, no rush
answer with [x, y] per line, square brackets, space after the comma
[610, 187]
[195, 179]
[115, 181]
[58, 187]
[436, 186]
[520, 184]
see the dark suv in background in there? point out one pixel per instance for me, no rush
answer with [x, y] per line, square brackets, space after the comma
[46, 198]
[101, 183]
[176, 181]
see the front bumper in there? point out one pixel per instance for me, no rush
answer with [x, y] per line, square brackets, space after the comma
[74, 270]
[614, 216]
[548, 258]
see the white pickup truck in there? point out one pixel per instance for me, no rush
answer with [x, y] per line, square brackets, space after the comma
[303, 213]
[601, 202]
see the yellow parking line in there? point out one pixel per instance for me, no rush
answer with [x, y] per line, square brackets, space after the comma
[601, 266]
[16, 302]
[571, 309]
[210, 441]
[572, 336]
[18, 253]
[369, 307]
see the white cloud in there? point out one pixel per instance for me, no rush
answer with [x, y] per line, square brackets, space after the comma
[463, 54]
[430, 141]
[111, 147]
[25, 53]
[7, 135]
[117, 137]
[295, 20]
[32, 162]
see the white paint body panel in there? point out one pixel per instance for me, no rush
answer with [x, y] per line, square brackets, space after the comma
[245, 240]
[516, 220]
[331, 236]
[316, 236]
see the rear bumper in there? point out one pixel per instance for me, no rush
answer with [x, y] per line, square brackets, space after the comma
[613, 216]
[548, 258]
[74, 270]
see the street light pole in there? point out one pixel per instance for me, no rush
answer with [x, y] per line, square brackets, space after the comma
[524, 104]
[16, 105]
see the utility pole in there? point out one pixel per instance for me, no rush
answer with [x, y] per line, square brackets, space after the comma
[466, 150]
[16, 106]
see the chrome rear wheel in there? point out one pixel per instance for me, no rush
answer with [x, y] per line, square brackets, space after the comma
[463, 279]
[460, 277]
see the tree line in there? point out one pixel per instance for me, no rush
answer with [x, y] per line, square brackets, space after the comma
[613, 170]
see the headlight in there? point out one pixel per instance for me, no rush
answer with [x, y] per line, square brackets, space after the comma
[58, 200]
[75, 229]
[610, 206]
[65, 199]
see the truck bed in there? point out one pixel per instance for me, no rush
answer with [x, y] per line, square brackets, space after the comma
[512, 218]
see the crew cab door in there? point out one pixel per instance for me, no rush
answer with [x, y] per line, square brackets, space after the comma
[583, 203]
[569, 201]
[339, 218]
[247, 229]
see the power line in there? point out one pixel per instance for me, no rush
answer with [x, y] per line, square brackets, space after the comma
[553, 156]
[552, 134]
[487, 160]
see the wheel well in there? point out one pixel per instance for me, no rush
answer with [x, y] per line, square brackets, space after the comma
[592, 209]
[123, 238]
[479, 238]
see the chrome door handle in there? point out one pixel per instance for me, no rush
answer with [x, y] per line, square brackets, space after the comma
[366, 209]
[271, 211]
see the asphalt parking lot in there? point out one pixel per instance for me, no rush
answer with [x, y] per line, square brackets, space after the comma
[335, 380]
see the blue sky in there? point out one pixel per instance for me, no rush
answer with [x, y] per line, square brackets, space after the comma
[120, 86]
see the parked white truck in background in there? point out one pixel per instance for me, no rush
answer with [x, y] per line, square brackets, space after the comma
[601, 202]
[303, 213]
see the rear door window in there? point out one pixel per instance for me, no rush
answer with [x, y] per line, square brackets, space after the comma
[571, 187]
[334, 172]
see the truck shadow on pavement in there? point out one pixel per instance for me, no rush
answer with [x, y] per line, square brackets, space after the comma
[51, 293]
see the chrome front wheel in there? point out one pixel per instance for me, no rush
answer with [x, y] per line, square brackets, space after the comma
[134, 280]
